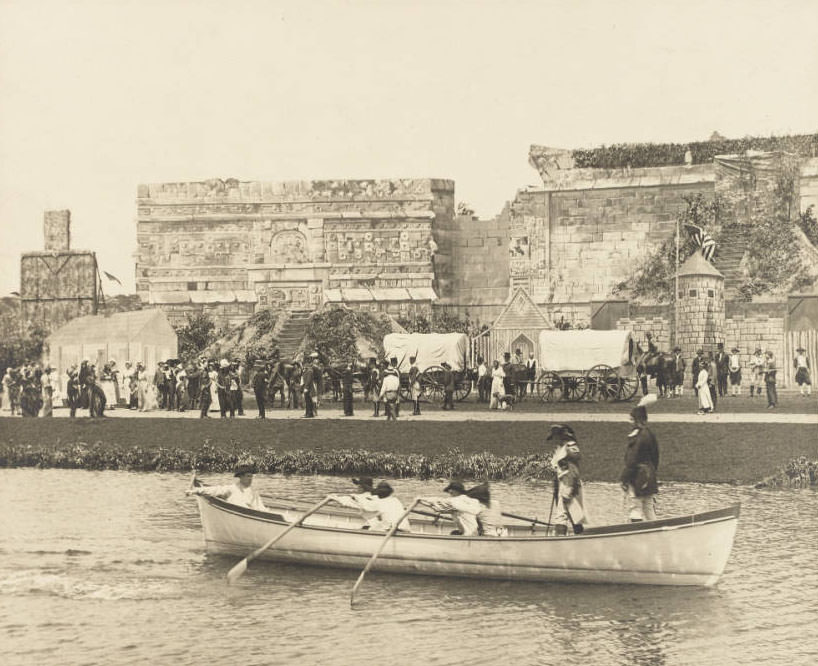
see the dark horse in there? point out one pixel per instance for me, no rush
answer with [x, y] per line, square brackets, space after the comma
[656, 365]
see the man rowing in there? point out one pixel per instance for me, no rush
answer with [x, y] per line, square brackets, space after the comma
[380, 501]
[240, 492]
[364, 501]
[464, 509]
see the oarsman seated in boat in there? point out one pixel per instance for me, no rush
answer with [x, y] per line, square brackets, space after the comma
[464, 509]
[364, 501]
[389, 508]
[240, 492]
[567, 482]
[490, 518]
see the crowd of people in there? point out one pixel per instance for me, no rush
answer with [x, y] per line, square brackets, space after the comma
[207, 385]
[475, 511]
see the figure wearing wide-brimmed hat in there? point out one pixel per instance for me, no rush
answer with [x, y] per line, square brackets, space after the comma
[679, 366]
[240, 492]
[567, 496]
[379, 506]
[448, 380]
[363, 501]
[803, 375]
[734, 369]
[641, 464]
[464, 509]
[756, 365]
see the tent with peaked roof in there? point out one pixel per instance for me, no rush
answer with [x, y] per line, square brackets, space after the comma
[142, 335]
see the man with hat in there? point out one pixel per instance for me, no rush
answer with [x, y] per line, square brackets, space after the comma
[236, 393]
[447, 380]
[223, 389]
[696, 368]
[260, 382]
[802, 371]
[363, 501]
[735, 372]
[464, 509]
[240, 492]
[308, 389]
[567, 496]
[374, 385]
[722, 369]
[756, 372]
[770, 381]
[390, 389]
[641, 463]
[414, 385]
[347, 381]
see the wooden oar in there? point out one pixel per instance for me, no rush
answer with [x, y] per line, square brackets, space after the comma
[372, 559]
[237, 571]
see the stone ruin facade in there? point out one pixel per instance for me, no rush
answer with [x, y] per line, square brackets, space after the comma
[227, 247]
[59, 283]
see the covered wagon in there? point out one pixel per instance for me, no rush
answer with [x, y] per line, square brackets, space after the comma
[586, 364]
[431, 350]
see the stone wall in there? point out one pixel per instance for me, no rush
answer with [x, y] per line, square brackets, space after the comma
[55, 287]
[57, 230]
[285, 244]
[587, 230]
[654, 319]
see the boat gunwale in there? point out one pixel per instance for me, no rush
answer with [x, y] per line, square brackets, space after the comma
[724, 514]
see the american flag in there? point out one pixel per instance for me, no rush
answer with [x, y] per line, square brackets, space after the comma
[703, 239]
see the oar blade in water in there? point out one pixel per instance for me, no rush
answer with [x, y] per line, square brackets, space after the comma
[237, 571]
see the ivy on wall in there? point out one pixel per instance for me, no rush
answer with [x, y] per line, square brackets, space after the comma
[637, 155]
[334, 333]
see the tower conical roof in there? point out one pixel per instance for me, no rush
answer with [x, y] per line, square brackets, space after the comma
[696, 264]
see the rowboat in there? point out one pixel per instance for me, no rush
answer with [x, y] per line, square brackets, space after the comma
[684, 550]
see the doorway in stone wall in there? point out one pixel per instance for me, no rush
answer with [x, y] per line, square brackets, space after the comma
[524, 344]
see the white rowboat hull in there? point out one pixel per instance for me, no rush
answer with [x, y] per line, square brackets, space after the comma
[688, 550]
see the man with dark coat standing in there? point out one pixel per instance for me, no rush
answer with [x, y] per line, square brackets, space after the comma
[347, 380]
[641, 463]
[308, 380]
[260, 381]
[448, 386]
[508, 381]
[722, 369]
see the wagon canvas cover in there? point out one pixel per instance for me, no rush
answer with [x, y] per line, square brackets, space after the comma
[430, 349]
[581, 350]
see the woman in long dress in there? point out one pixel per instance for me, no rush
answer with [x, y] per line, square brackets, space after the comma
[705, 399]
[497, 384]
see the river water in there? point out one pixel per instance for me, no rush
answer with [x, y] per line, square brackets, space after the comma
[109, 568]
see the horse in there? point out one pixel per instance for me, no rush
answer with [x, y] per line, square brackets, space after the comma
[657, 365]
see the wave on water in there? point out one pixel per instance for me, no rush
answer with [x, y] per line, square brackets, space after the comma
[62, 585]
[71, 552]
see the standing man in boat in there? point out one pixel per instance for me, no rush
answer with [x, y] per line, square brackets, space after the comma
[240, 492]
[641, 463]
[568, 496]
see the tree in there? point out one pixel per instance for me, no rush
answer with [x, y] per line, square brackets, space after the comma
[195, 336]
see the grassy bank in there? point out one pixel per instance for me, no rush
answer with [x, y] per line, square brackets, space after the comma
[700, 452]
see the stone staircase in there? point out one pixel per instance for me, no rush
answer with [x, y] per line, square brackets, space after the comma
[728, 262]
[292, 332]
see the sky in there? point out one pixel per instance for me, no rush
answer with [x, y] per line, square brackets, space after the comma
[99, 96]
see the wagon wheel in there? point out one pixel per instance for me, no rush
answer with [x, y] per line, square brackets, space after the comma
[549, 386]
[462, 387]
[431, 384]
[574, 388]
[627, 388]
[603, 383]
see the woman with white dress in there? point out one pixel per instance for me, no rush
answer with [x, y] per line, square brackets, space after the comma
[497, 386]
[705, 399]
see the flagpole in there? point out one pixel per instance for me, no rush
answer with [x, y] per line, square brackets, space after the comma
[676, 292]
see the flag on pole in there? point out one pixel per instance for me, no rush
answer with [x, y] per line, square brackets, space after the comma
[703, 239]
[113, 278]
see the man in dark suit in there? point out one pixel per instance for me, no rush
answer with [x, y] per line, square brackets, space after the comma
[722, 369]
[260, 382]
[308, 379]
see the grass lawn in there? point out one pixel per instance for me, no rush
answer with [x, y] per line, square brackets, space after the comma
[699, 452]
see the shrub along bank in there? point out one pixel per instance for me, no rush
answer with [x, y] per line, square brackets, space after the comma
[698, 452]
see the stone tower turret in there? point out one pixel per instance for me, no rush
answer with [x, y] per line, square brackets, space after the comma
[699, 306]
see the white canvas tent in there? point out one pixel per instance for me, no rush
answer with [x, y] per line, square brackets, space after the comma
[578, 351]
[141, 335]
[430, 349]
